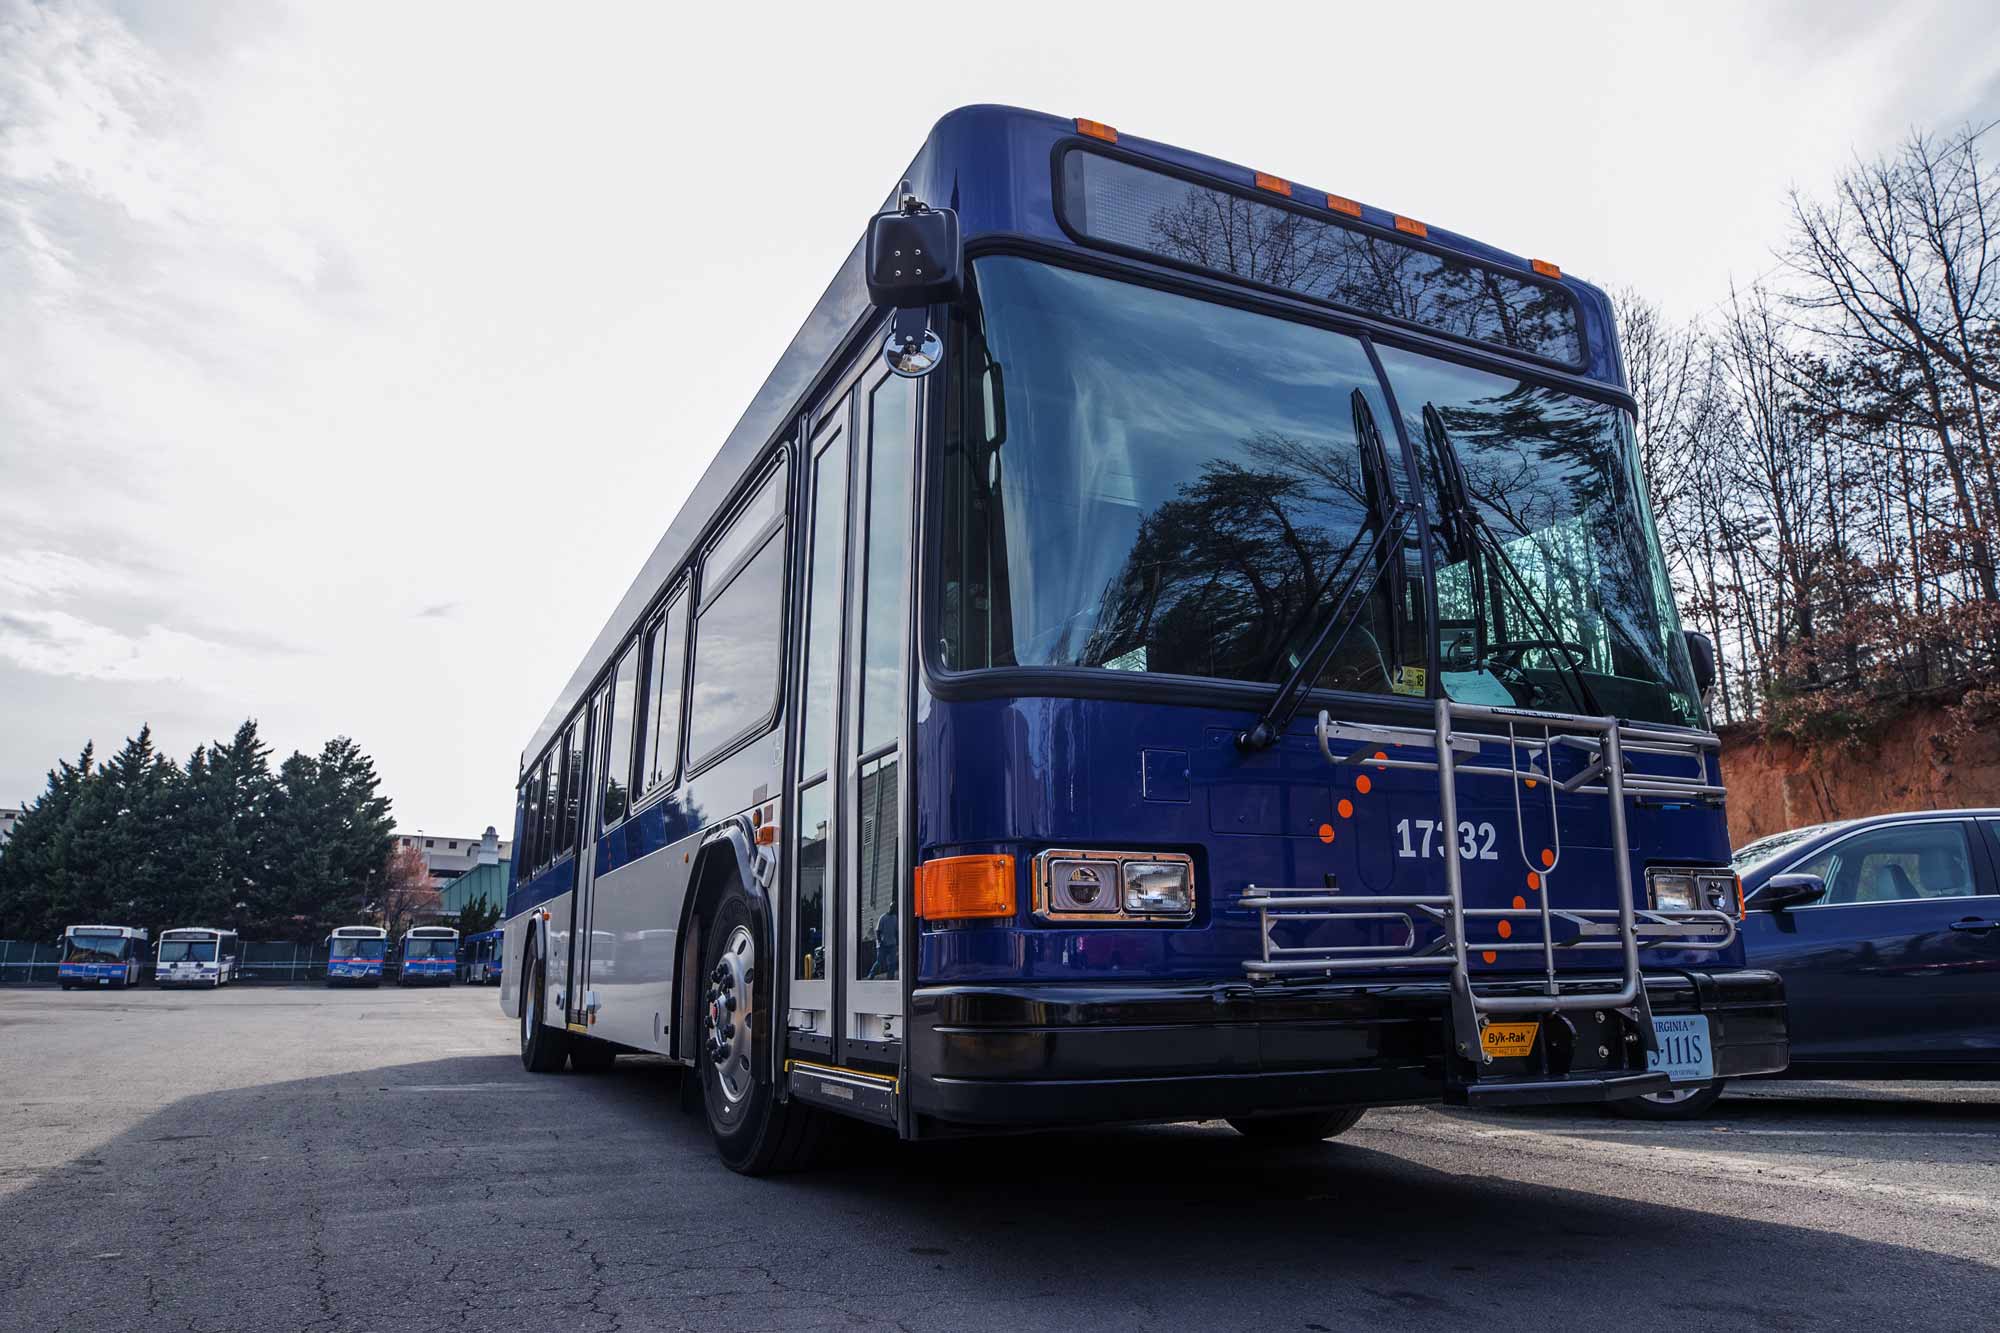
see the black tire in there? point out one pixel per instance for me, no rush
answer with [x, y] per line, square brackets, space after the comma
[543, 1049]
[754, 1132]
[1308, 1128]
[1678, 1104]
[67, 985]
[590, 1056]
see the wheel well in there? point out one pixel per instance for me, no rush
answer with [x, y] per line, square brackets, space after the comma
[714, 871]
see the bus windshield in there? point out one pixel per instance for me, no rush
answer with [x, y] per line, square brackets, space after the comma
[1146, 482]
[429, 947]
[187, 951]
[95, 948]
[346, 946]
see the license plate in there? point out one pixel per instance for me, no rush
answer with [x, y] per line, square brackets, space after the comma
[1501, 1040]
[1685, 1053]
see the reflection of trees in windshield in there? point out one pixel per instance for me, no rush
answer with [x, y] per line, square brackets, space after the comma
[350, 947]
[98, 949]
[187, 951]
[430, 947]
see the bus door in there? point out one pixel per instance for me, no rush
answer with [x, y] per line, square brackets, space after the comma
[845, 935]
[577, 826]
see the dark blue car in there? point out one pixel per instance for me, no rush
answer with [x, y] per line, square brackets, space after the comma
[1886, 931]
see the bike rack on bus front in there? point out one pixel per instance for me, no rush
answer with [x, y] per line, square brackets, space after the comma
[1626, 928]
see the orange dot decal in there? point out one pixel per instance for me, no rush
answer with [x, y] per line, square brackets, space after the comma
[1380, 754]
[1489, 957]
[1326, 833]
[1534, 880]
[1520, 903]
[1506, 930]
[1363, 783]
[1346, 808]
[1548, 858]
[1531, 783]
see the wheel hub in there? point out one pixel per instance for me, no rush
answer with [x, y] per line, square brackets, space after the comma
[726, 1029]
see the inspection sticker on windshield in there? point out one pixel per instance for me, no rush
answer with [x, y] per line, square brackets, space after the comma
[1684, 1052]
[1500, 1040]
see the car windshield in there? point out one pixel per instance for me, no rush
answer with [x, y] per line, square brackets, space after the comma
[98, 948]
[1752, 855]
[350, 947]
[1141, 481]
[429, 947]
[187, 951]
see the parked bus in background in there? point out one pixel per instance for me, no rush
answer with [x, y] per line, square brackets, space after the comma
[100, 956]
[1163, 643]
[355, 954]
[479, 958]
[429, 954]
[197, 956]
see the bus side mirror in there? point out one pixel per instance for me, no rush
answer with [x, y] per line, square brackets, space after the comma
[914, 259]
[1781, 891]
[1701, 654]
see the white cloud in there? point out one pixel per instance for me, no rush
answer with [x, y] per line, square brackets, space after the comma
[57, 643]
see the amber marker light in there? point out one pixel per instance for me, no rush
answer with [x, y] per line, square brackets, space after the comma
[1411, 225]
[1096, 129]
[1275, 184]
[960, 888]
[1342, 205]
[1545, 268]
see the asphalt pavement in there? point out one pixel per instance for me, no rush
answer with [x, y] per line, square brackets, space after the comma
[290, 1158]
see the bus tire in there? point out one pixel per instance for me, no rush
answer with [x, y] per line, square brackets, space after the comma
[543, 1050]
[755, 1133]
[1674, 1104]
[1308, 1128]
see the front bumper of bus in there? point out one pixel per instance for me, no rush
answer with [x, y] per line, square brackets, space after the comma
[1046, 1054]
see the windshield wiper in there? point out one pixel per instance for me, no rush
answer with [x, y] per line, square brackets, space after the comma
[1389, 521]
[1469, 536]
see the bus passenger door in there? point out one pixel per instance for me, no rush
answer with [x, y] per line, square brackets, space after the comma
[845, 901]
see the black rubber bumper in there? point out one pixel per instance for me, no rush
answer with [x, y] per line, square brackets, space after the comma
[1050, 1054]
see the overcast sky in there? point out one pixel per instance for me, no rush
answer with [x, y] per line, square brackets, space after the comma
[354, 356]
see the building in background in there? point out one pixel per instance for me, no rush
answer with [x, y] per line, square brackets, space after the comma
[8, 818]
[488, 881]
[449, 859]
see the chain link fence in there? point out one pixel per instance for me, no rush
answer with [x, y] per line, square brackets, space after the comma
[25, 962]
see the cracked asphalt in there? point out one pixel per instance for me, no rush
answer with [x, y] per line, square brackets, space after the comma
[302, 1159]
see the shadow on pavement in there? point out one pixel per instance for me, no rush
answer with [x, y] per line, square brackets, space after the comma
[465, 1192]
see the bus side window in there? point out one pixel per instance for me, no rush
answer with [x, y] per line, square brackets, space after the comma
[618, 753]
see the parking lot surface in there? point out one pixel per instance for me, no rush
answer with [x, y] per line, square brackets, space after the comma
[286, 1158]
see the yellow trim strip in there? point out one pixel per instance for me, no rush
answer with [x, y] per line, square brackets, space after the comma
[889, 1079]
[578, 1027]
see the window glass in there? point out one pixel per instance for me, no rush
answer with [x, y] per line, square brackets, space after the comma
[815, 844]
[1930, 860]
[736, 655]
[892, 455]
[664, 657]
[750, 523]
[548, 792]
[1366, 271]
[1166, 485]
[573, 776]
[530, 851]
[876, 892]
[822, 649]
[618, 754]
[1553, 593]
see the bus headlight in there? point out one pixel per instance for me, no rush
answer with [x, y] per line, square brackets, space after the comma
[1158, 888]
[1678, 889]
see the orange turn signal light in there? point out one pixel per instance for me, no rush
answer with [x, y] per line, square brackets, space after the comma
[1411, 225]
[955, 888]
[1096, 129]
[1275, 184]
[1545, 268]
[1339, 204]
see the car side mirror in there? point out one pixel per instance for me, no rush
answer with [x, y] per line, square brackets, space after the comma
[914, 260]
[1781, 891]
[1701, 655]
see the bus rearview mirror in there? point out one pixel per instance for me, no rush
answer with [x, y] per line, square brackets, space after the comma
[914, 259]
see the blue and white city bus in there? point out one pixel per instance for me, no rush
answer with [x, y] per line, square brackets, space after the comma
[479, 958]
[355, 954]
[429, 954]
[101, 956]
[197, 956]
[1221, 665]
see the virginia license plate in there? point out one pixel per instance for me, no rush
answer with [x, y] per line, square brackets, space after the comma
[1500, 1040]
[1685, 1053]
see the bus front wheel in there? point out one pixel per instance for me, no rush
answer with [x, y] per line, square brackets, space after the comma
[754, 1132]
[1280, 1129]
[542, 1048]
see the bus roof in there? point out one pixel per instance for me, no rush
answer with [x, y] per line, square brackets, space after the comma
[996, 166]
[195, 930]
[135, 932]
[362, 932]
[431, 932]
